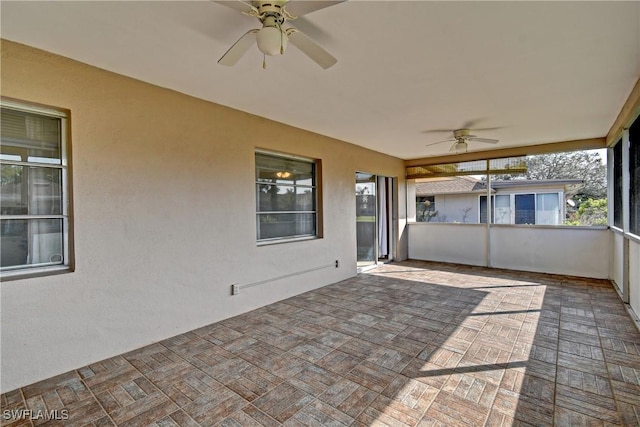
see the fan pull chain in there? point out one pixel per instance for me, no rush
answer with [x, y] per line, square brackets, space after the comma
[281, 40]
[264, 61]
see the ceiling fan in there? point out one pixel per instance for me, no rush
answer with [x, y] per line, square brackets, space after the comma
[461, 138]
[272, 38]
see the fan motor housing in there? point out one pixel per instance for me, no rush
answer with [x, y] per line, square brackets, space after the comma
[270, 8]
[461, 133]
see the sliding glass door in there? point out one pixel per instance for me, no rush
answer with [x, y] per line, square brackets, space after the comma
[375, 216]
[366, 219]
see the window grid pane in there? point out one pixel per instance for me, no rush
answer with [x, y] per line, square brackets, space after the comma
[525, 209]
[32, 137]
[31, 242]
[502, 209]
[547, 209]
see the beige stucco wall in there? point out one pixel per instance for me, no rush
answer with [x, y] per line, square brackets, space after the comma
[164, 216]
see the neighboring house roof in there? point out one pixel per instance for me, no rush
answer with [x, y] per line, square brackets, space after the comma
[467, 184]
[452, 185]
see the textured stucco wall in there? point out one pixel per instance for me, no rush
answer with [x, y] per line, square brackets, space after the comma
[164, 216]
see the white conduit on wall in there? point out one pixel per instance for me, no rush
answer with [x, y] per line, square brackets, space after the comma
[335, 264]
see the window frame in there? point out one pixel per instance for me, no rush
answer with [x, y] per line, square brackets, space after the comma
[65, 215]
[315, 186]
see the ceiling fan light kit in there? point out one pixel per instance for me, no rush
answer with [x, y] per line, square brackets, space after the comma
[272, 38]
[459, 147]
[271, 41]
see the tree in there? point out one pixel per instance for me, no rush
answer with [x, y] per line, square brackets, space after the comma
[585, 165]
[590, 212]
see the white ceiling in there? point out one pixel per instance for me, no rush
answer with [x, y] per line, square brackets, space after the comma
[543, 71]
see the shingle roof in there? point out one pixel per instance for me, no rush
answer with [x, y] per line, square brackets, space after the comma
[467, 184]
[456, 184]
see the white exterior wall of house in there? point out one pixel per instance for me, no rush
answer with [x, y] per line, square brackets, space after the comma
[463, 208]
[164, 218]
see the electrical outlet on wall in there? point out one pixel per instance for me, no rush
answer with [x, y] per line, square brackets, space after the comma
[235, 289]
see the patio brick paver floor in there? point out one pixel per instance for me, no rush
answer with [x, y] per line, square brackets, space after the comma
[411, 343]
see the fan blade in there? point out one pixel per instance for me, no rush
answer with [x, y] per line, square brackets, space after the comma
[485, 129]
[439, 142]
[302, 7]
[312, 30]
[438, 131]
[470, 124]
[485, 140]
[238, 49]
[238, 5]
[310, 48]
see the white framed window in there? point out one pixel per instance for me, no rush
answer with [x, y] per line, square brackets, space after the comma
[34, 203]
[286, 197]
[523, 208]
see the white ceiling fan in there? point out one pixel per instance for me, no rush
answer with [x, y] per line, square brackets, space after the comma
[461, 138]
[272, 38]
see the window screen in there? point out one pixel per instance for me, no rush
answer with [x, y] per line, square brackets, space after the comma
[617, 184]
[634, 177]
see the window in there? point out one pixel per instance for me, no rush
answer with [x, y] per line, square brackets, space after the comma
[617, 184]
[634, 177]
[286, 197]
[541, 208]
[502, 210]
[35, 195]
[525, 209]
[548, 209]
[483, 209]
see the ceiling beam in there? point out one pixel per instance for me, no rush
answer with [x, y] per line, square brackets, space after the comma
[554, 147]
[629, 110]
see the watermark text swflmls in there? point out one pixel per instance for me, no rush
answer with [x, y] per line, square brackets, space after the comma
[35, 414]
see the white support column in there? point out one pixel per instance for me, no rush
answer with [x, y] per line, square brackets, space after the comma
[488, 215]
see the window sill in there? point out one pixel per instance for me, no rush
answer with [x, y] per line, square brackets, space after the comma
[290, 240]
[30, 273]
